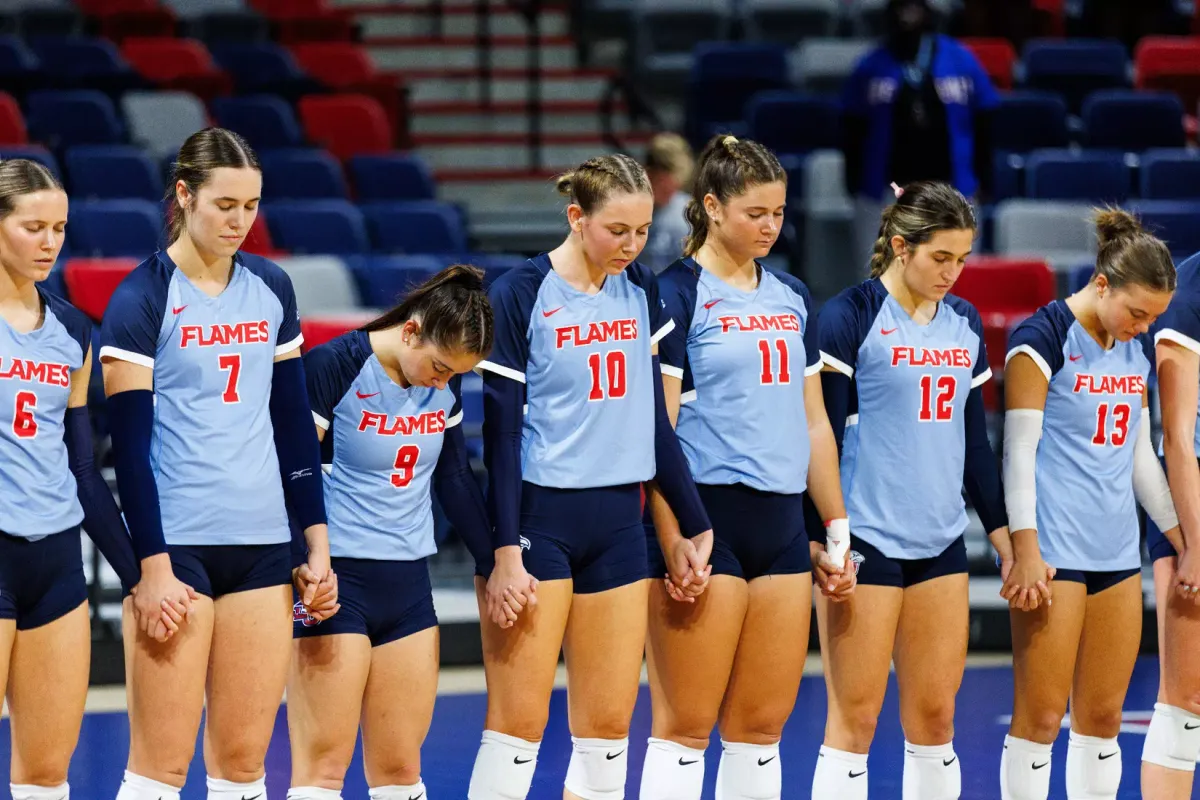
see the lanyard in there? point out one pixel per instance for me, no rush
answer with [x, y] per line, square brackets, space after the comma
[915, 72]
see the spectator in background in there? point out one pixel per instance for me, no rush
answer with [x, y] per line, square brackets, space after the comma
[916, 108]
[669, 165]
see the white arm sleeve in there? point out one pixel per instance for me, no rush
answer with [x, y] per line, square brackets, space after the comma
[1150, 482]
[1022, 431]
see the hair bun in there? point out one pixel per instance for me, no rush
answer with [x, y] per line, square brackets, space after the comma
[1113, 224]
[566, 184]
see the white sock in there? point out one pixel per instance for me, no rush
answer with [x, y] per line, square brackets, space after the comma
[931, 772]
[840, 774]
[1093, 768]
[135, 787]
[228, 790]
[503, 768]
[1025, 770]
[29, 792]
[749, 772]
[313, 793]
[414, 792]
[671, 771]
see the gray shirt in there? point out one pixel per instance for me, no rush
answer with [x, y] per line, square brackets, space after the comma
[668, 230]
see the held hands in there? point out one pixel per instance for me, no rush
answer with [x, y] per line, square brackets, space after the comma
[833, 566]
[1025, 573]
[161, 602]
[509, 588]
[1187, 577]
[688, 569]
[316, 582]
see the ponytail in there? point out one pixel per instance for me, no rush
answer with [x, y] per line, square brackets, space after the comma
[452, 308]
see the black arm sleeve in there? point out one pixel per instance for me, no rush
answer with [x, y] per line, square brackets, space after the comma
[981, 473]
[460, 496]
[503, 414]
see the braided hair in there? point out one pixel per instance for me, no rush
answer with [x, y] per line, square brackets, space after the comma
[593, 182]
[921, 210]
[453, 310]
[728, 166]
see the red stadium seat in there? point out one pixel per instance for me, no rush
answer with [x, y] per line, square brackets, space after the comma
[12, 123]
[346, 124]
[258, 241]
[183, 64]
[98, 8]
[306, 21]
[996, 56]
[92, 281]
[319, 330]
[1169, 63]
[346, 67]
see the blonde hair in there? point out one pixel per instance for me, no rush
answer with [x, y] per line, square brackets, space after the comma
[921, 210]
[592, 183]
[21, 176]
[670, 153]
[728, 167]
[1128, 254]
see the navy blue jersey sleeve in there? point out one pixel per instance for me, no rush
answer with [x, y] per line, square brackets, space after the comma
[1147, 343]
[1041, 337]
[1181, 321]
[289, 337]
[677, 287]
[661, 322]
[512, 296]
[456, 410]
[134, 317]
[74, 320]
[981, 371]
[812, 344]
[843, 326]
[329, 370]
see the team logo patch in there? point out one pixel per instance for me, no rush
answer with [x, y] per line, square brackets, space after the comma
[525, 543]
[857, 558]
[300, 614]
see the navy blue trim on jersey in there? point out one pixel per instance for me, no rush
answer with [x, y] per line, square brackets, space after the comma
[74, 320]
[981, 473]
[1041, 337]
[131, 421]
[460, 495]
[672, 473]
[503, 418]
[296, 443]
[101, 518]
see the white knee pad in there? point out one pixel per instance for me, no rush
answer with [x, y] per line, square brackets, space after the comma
[671, 771]
[749, 772]
[228, 790]
[1093, 768]
[394, 792]
[503, 768]
[1173, 740]
[840, 774]
[597, 769]
[136, 787]
[1025, 770]
[931, 772]
[29, 792]
[313, 793]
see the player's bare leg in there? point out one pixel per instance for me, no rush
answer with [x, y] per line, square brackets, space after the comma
[398, 709]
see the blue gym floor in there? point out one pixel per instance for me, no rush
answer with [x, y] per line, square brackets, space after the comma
[985, 699]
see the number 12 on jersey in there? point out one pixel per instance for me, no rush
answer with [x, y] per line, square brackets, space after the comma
[937, 398]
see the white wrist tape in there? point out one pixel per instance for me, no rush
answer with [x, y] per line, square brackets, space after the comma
[1022, 431]
[837, 539]
[1150, 482]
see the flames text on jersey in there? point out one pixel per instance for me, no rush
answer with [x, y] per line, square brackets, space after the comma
[927, 357]
[428, 423]
[760, 322]
[617, 330]
[1109, 384]
[219, 335]
[20, 369]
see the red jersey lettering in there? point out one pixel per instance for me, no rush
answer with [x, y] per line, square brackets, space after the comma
[21, 369]
[617, 330]
[421, 425]
[1109, 384]
[760, 322]
[958, 357]
[224, 334]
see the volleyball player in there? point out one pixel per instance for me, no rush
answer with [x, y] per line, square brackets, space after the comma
[741, 376]
[50, 485]
[1173, 741]
[904, 363]
[1077, 450]
[211, 430]
[577, 331]
[387, 406]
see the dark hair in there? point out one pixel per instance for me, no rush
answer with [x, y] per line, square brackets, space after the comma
[728, 166]
[20, 177]
[453, 310]
[593, 182]
[203, 152]
[923, 209]
[1128, 254]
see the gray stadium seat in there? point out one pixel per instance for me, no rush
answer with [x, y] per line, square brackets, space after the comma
[821, 65]
[1061, 233]
[788, 21]
[189, 9]
[668, 30]
[323, 284]
[830, 264]
[161, 121]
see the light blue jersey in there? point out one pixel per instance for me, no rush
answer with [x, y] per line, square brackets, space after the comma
[904, 449]
[212, 448]
[1180, 323]
[1086, 514]
[36, 484]
[742, 357]
[381, 445]
[585, 362]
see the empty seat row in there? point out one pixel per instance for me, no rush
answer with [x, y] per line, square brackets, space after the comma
[1098, 175]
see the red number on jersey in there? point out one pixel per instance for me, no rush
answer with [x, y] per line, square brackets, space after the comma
[406, 463]
[233, 363]
[614, 363]
[764, 347]
[1120, 422]
[24, 424]
[941, 408]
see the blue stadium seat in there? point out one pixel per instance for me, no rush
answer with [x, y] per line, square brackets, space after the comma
[1075, 67]
[383, 280]
[1080, 277]
[20, 69]
[301, 174]
[1098, 176]
[33, 153]
[792, 123]
[1173, 221]
[114, 228]
[64, 119]
[332, 227]
[1026, 121]
[422, 226]
[1170, 174]
[1133, 120]
[391, 176]
[110, 171]
[262, 67]
[496, 264]
[83, 63]
[723, 79]
[1008, 175]
[264, 120]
